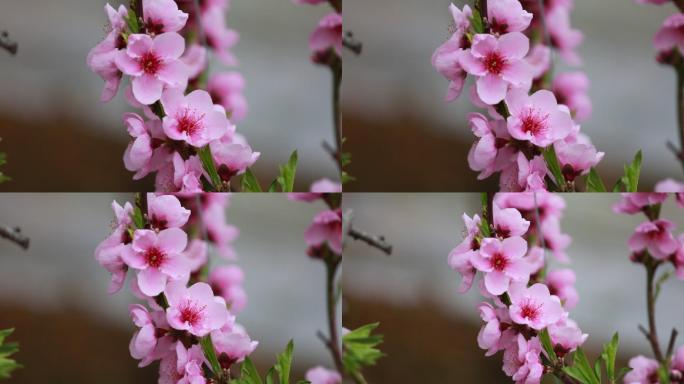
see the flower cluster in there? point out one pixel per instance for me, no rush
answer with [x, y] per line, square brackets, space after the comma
[508, 53]
[326, 40]
[526, 299]
[669, 40]
[653, 241]
[324, 240]
[186, 114]
[164, 242]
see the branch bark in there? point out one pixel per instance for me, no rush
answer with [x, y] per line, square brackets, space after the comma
[332, 263]
[14, 235]
[374, 241]
[9, 45]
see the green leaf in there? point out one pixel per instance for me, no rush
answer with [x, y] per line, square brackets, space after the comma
[273, 187]
[360, 348]
[663, 375]
[3, 161]
[209, 166]
[287, 174]
[345, 159]
[608, 356]
[661, 280]
[632, 172]
[547, 345]
[581, 369]
[132, 21]
[137, 216]
[594, 182]
[7, 365]
[250, 182]
[284, 363]
[346, 178]
[553, 165]
[210, 354]
[476, 22]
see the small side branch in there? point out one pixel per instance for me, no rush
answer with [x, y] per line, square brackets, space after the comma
[14, 235]
[351, 43]
[374, 241]
[10, 46]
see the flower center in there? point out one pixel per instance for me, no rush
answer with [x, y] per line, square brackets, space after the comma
[154, 257]
[498, 262]
[154, 27]
[158, 223]
[530, 310]
[533, 122]
[499, 27]
[150, 63]
[494, 63]
[189, 123]
[191, 314]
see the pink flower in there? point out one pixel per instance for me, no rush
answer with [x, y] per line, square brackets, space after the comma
[632, 203]
[539, 60]
[563, 36]
[219, 36]
[108, 252]
[496, 334]
[102, 58]
[183, 367]
[656, 237]
[165, 211]
[502, 263]
[537, 118]
[555, 239]
[232, 159]
[522, 361]
[571, 89]
[226, 281]
[678, 259]
[644, 371]
[498, 63]
[153, 63]
[145, 153]
[326, 229]
[150, 342]
[508, 222]
[461, 256]
[227, 89]
[193, 118]
[561, 283]
[446, 57]
[195, 58]
[489, 152]
[671, 34]
[158, 258]
[317, 190]
[327, 35]
[534, 306]
[678, 361]
[320, 375]
[195, 309]
[531, 173]
[506, 16]
[197, 254]
[576, 158]
[219, 231]
[232, 344]
[566, 337]
[162, 16]
[672, 186]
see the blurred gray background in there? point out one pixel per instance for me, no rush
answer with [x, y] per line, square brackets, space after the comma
[393, 97]
[50, 108]
[55, 293]
[415, 292]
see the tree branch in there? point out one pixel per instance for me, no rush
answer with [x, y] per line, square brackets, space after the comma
[332, 264]
[351, 43]
[14, 235]
[652, 333]
[374, 241]
[9, 45]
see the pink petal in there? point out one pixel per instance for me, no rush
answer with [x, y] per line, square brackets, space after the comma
[138, 45]
[172, 240]
[127, 64]
[147, 89]
[483, 44]
[491, 89]
[174, 73]
[169, 45]
[496, 283]
[514, 45]
[471, 64]
[517, 73]
[151, 281]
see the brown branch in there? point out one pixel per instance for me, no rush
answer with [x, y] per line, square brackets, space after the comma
[374, 241]
[9, 45]
[14, 235]
[332, 263]
[652, 332]
[336, 4]
[680, 112]
[351, 43]
[671, 344]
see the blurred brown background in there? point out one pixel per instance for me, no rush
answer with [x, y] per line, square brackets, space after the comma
[71, 331]
[59, 137]
[431, 330]
[403, 137]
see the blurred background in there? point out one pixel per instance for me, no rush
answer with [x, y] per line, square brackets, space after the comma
[394, 99]
[58, 136]
[71, 331]
[431, 330]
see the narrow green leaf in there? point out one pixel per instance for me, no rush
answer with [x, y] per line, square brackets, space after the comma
[210, 354]
[287, 174]
[284, 363]
[659, 283]
[545, 339]
[209, 166]
[632, 173]
[594, 182]
[551, 159]
[137, 216]
[608, 356]
[250, 182]
[132, 21]
[249, 373]
[274, 186]
[476, 22]
[581, 369]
